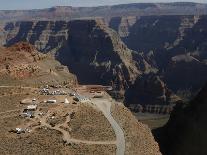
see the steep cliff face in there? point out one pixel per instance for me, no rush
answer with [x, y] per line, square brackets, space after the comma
[91, 50]
[187, 59]
[186, 129]
[122, 24]
[153, 32]
[163, 46]
[174, 45]
[151, 84]
[2, 34]
[44, 35]
[96, 54]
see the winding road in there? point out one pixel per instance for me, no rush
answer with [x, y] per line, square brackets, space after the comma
[104, 105]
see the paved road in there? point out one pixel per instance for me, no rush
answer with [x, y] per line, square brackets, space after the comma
[105, 106]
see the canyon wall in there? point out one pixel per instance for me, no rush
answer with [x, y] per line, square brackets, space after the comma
[91, 50]
[185, 133]
[45, 36]
[131, 54]
[135, 9]
[174, 45]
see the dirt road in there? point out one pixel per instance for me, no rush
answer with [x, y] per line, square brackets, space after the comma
[17, 87]
[66, 136]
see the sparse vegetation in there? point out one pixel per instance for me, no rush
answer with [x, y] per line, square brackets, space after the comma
[139, 139]
[90, 124]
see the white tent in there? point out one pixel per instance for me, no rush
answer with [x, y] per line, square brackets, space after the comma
[66, 101]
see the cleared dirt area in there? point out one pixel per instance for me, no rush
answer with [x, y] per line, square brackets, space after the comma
[49, 131]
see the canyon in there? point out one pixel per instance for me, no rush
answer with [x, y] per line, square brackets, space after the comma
[97, 125]
[153, 55]
[185, 133]
[126, 52]
[67, 13]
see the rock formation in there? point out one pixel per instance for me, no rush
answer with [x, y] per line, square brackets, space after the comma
[150, 94]
[95, 54]
[167, 45]
[161, 45]
[23, 63]
[44, 35]
[185, 133]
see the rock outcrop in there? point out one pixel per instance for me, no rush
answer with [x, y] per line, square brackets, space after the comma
[24, 64]
[150, 94]
[161, 45]
[44, 35]
[96, 54]
[185, 133]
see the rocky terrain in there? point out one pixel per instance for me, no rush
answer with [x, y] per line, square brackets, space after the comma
[167, 45]
[126, 52]
[22, 63]
[150, 94]
[107, 12]
[185, 133]
[95, 55]
[72, 128]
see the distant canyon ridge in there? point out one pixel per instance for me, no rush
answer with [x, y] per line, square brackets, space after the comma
[107, 12]
[150, 53]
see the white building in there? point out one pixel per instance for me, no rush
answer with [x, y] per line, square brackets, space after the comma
[32, 107]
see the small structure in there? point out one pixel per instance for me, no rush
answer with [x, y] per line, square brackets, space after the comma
[44, 91]
[73, 94]
[98, 94]
[66, 101]
[27, 113]
[31, 107]
[26, 101]
[82, 99]
[22, 130]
